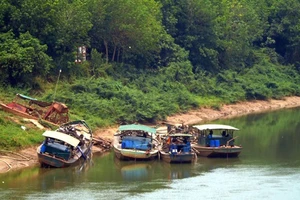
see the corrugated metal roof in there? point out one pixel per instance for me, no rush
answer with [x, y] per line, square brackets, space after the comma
[137, 127]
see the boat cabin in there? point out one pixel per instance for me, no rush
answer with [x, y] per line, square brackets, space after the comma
[135, 136]
[59, 144]
[214, 135]
[177, 143]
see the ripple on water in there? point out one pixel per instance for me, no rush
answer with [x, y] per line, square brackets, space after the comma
[239, 183]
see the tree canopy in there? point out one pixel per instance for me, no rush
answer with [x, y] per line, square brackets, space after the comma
[226, 50]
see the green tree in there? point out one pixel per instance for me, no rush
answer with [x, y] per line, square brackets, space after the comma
[284, 29]
[72, 26]
[127, 29]
[98, 65]
[22, 59]
[191, 23]
[62, 25]
[238, 26]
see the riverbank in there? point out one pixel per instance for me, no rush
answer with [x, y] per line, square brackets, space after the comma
[27, 157]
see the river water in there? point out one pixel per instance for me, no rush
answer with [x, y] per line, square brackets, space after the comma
[267, 168]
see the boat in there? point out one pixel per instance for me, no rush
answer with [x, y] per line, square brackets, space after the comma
[67, 146]
[55, 113]
[176, 148]
[215, 140]
[135, 141]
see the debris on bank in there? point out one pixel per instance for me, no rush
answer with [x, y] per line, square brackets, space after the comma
[102, 144]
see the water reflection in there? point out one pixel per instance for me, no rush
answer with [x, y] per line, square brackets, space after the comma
[156, 170]
[267, 168]
[134, 171]
[17, 184]
[178, 171]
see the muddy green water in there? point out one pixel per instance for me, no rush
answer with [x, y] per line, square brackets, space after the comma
[267, 168]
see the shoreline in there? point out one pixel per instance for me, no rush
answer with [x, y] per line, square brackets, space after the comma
[28, 157]
[202, 115]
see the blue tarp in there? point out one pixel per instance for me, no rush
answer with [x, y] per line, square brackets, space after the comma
[183, 148]
[139, 143]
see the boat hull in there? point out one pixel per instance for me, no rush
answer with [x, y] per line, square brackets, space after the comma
[47, 160]
[16, 111]
[177, 158]
[133, 154]
[217, 151]
[19, 112]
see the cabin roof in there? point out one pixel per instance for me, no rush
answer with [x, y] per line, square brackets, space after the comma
[26, 97]
[215, 127]
[62, 137]
[137, 127]
[162, 130]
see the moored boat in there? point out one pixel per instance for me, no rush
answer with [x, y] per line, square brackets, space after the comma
[176, 148]
[215, 140]
[69, 145]
[135, 141]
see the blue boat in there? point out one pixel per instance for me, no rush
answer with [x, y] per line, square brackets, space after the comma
[67, 146]
[176, 148]
[136, 141]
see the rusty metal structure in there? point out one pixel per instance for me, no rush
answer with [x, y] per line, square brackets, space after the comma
[28, 107]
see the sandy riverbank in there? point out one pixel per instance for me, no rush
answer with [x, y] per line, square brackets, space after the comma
[28, 157]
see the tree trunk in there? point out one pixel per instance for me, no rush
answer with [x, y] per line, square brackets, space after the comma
[114, 54]
[106, 51]
[118, 56]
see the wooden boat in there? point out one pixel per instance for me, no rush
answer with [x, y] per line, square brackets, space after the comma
[69, 145]
[215, 140]
[135, 141]
[176, 148]
[54, 113]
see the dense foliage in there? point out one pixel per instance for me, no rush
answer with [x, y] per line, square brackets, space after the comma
[147, 59]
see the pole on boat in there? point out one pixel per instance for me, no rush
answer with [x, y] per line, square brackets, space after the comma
[56, 85]
[82, 153]
[227, 143]
[195, 150]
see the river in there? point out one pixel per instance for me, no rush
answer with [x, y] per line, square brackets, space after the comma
[267, 168]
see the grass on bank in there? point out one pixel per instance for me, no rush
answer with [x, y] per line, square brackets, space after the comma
[12, 133]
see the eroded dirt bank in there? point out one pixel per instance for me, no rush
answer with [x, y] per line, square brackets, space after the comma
[227, 111]
[28, 157]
